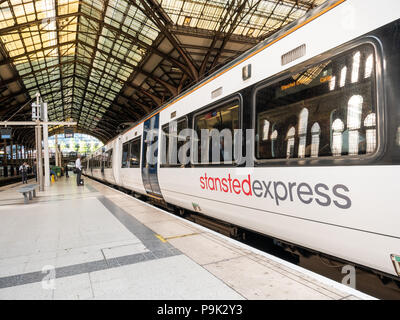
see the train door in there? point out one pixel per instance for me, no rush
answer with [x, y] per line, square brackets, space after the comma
[151, 129]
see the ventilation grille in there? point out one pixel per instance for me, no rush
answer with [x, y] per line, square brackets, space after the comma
[293, 54]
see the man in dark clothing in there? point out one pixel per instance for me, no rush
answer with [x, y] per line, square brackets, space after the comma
[24, 172]
[66, 171]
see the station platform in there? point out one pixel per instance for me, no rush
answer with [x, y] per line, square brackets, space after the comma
[5, 181]
[94, 242]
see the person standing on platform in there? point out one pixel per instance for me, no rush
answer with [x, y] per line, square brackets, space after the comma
[66, 171]
[24, 172]
[78, 167]
[35, 170]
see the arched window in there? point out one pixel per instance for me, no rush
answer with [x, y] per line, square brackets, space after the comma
[337, 128]
[332, 83]
[315, 133]
[290, 142]
[343, 75]
[356, 67]
[354, 109]
[303, 122]
[265, 130]
[370, 125]
[274, 137]
[368, 66]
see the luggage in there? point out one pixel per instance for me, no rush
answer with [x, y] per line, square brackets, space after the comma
[81, 182]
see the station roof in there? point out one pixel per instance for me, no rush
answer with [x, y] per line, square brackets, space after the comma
[106, 64]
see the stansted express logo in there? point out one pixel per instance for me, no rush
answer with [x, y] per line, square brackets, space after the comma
[279, 191]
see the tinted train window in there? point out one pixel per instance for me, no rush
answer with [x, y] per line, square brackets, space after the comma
[125, 155]
[108, 159]
[134, 154]
[131, 153]
[326, 110]
[225, 117]
[173, 141]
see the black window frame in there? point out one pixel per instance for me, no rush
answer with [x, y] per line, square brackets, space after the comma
[135, 139]
[377, 96]
[167, 165]
[108, 159]
[127, 143]
[234, 97]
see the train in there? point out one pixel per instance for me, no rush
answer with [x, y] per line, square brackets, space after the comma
[319, 168]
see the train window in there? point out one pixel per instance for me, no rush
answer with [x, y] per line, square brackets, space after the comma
[109, 158]
[172, 141]
[125, 155]
[225, 119]
[134, 153]
[327, 110]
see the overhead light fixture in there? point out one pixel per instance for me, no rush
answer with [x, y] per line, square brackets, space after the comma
[187, 21]
[250, 32]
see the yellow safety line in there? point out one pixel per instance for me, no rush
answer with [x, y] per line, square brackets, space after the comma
[182, 236]
[244, 59]
[162, 239]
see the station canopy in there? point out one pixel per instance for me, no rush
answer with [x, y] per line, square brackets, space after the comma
[106, 64]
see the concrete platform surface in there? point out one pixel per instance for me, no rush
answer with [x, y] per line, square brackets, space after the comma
[94, 242]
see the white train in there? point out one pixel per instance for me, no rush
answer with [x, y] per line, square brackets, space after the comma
[323, 96]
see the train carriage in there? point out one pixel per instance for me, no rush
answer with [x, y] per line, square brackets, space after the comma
[321, 171]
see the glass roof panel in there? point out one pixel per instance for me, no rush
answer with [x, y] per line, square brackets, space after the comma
[252, 20]
[80, 53]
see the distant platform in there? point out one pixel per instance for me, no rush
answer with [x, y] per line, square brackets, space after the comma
[94, 242]
[5, 181]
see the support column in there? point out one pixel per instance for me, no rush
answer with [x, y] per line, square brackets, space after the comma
[56, 149]
[5, 152]
[39, 160]
[5, 158]
[12, 161]
[12, 152]
[46, 148]
[5, 162]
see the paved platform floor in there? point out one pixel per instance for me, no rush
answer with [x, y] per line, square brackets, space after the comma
[94, 242]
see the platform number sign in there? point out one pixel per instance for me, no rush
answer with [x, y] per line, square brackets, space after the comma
[6, 133]
[37, 111]
[68, 133]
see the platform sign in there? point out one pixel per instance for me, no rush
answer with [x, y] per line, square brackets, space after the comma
[6, 133]
[37, 111]
[68, 133]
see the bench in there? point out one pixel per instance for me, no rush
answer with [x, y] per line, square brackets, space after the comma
[28, 191]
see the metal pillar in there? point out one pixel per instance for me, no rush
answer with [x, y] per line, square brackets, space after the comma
[46, 148]
[5, 159]
[56, 149]
[39, 161]
[59, 156]
[5, 152]
[11, 152]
